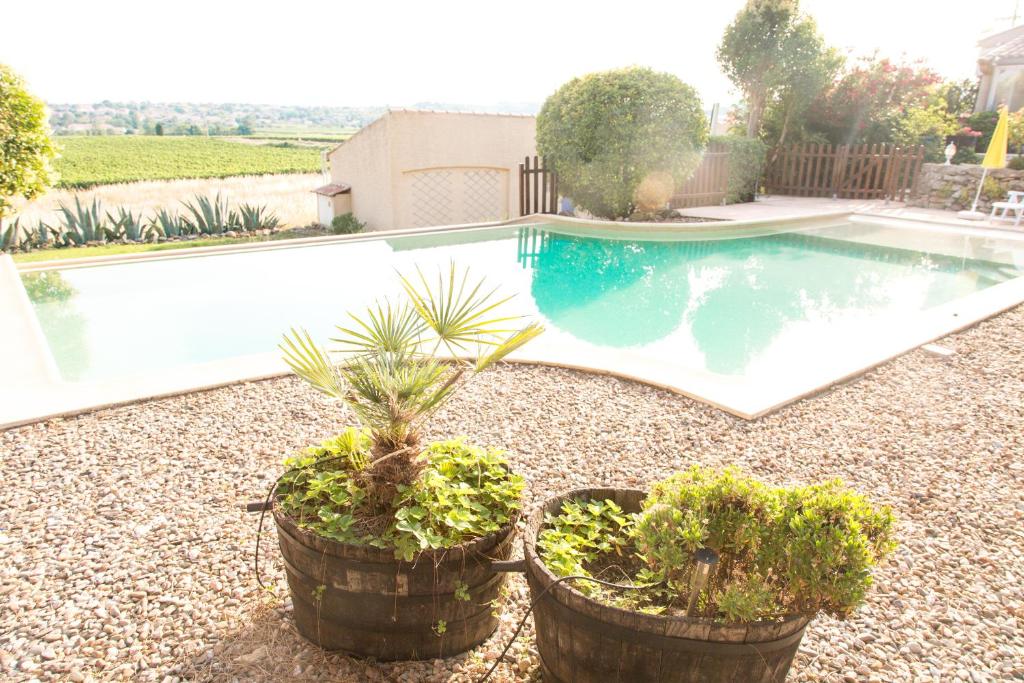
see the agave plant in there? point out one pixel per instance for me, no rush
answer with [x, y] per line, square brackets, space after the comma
[40, 236]
[257, 217]
[390, 373]
[127, 225]
[26, 238]
[210, 216]
[168, 224]
[10, 236]
[83, 224]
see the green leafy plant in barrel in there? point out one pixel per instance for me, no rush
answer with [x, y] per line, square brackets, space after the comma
[378, 484]
[781, 551]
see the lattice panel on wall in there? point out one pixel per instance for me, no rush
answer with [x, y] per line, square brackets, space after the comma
[431, 196]
[483, 195]
[450, 196]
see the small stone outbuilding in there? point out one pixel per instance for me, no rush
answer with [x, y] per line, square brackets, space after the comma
[413, 168]
[333, 199]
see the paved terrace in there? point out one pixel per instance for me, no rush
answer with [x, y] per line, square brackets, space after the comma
[779, 206]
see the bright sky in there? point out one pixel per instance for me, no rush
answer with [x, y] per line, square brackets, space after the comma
[342, 53]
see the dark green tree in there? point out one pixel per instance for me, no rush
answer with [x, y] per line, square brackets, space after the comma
[756, 52]
[807, 68]
[246, 125]
[26, 149]
[606, 133]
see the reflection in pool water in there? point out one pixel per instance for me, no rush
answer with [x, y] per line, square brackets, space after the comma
[63, 325]
[749, 306]
[732, 296]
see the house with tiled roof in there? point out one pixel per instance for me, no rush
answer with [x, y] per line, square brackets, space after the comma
[1001, 70]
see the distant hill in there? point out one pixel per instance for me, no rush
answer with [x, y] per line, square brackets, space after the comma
[194, 118]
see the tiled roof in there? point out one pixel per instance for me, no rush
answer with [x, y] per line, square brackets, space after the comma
[404, 110]
[333, 189]
[1011, 49]
[401, 110]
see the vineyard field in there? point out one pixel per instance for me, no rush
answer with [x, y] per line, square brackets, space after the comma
[87, 161]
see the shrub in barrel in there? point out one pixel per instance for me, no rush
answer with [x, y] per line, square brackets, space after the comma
[387, 540]
[711, 576]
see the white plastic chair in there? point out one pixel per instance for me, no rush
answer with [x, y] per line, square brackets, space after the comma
[1014, 202]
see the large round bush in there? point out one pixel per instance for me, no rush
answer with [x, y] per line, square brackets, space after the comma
[612, 134]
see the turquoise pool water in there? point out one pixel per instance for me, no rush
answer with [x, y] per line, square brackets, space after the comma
[726, 306]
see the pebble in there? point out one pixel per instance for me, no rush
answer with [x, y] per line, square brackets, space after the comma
[127, 556]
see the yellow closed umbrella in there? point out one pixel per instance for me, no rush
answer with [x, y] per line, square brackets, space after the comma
[995, 156]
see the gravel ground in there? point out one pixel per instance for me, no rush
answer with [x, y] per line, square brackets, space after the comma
[124, 555]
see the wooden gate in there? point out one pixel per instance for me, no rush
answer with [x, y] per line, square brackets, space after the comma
[844, 171]
[709, 183]
[538, 188]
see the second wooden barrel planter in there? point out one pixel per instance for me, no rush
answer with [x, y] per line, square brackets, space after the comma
[581, 640]
[363, 601]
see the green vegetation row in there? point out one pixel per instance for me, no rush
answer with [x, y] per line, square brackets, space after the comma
[299, 133]
[87, 161]
[783, 550]
[88, 224]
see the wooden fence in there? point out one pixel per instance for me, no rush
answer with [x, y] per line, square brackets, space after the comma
[538, 188]
[709, 183]
[845, 171]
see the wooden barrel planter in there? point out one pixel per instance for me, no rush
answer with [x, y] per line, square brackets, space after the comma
[583, 641]
[364, 602]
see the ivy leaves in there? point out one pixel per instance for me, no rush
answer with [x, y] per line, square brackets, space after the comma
[464, 492]
[335, 525]
[583, 531]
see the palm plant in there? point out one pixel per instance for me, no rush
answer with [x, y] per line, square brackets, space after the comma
[257, 217]
[210, 216]
[390, 373]
[168, 224]
[83, 224]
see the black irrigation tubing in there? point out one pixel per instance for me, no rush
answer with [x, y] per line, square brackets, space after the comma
[266, 504]
[259, 532]
[522, 622]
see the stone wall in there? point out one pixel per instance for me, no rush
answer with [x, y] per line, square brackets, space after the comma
[952, 187]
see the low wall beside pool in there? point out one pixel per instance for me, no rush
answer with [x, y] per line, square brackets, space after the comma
[952, 188]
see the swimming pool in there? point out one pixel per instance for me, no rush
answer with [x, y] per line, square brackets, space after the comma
[744, 319]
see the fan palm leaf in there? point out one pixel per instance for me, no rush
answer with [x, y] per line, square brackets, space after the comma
[311, 363]
[386, 328]
[511, 343]
[388, 374]
[457, 311]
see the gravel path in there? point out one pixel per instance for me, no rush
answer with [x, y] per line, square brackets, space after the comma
[123, 554]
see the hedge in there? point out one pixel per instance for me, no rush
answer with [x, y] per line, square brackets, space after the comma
[618, 136]
[746, 162]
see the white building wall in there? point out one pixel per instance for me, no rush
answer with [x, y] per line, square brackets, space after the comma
[416, 168]
[364, 162]
[324, 210]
